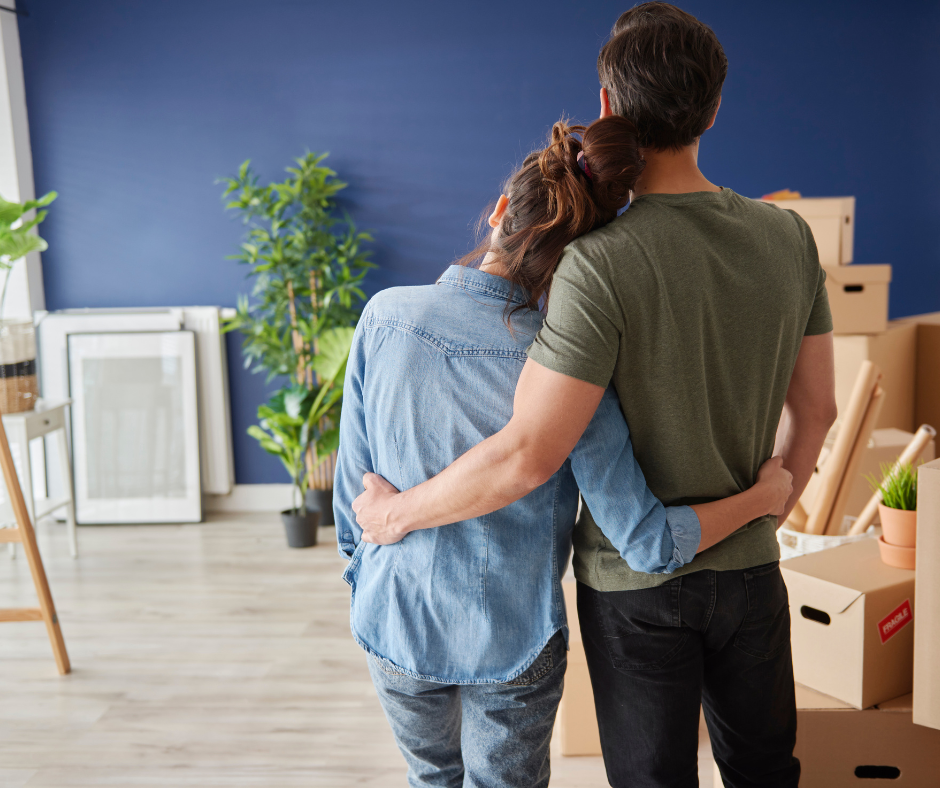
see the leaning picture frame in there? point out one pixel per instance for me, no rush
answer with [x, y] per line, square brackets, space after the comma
[135, 427]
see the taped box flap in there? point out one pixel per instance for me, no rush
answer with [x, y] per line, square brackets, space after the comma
[807, 698]
[857, 566]
[903, 704]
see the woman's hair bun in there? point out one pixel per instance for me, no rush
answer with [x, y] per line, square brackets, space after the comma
[612, 156]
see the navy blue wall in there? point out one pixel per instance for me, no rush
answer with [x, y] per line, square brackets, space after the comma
[135, 109]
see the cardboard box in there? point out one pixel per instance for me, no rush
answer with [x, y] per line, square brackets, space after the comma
[927, 596]
[832, 221]
[851, 624]
[858, 298]
[927, 374]
[840, 746]
[894, 353]
[577, 721]
[884, 447]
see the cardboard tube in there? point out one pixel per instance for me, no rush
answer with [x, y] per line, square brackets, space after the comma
[851, 469]
[798, 516]
[834, 470]
[922, 437]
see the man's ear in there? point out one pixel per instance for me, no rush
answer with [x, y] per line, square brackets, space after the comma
[715, 115]
[605, 105]
[497, 215]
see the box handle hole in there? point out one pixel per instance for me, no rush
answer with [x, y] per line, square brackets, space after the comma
[877, 772]
[854, 288]
[816, 615]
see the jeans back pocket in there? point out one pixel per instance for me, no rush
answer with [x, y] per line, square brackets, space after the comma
[765, 630]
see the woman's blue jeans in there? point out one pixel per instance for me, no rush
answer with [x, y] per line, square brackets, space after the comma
[476, 735]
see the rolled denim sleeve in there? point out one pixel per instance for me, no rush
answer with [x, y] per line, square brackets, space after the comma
[650, 537]
[353, 458]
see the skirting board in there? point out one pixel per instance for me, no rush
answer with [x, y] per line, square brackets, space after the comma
[250, 498]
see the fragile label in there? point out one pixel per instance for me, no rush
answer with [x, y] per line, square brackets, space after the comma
[895, 621]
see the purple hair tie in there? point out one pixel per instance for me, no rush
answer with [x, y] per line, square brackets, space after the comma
[582, 163]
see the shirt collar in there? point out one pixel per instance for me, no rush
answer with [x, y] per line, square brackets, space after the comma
[475, 281]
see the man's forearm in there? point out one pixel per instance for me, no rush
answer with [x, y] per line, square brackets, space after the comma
[720, 519]
[493, 474]
[801, 448]
[550, 413]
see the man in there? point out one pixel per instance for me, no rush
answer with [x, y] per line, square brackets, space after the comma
[708, 313]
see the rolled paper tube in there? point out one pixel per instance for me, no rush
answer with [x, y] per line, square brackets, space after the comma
[855, 458]
[925, 433]
[834, 469]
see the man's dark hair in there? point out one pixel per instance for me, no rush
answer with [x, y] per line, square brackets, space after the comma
[663, 69]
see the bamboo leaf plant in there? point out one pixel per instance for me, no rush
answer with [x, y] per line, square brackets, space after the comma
[308, 266]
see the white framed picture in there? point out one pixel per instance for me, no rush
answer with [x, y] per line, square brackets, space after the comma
[135, 427]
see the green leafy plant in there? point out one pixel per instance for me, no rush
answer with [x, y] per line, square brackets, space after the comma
[16, 240]
[898, 489]
[291, 423]
[308, 266]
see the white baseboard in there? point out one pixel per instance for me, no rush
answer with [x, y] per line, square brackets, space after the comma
[251, 498]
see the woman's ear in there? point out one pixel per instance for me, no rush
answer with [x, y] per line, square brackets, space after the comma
[605, 104]
[497, 215]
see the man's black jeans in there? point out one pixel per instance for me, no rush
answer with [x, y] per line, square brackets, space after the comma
[716, 639]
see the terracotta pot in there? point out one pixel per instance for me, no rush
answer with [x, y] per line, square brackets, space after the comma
[899, 526]
[301, 529]
[892, 555]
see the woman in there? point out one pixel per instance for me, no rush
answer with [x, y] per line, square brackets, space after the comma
[465, 624]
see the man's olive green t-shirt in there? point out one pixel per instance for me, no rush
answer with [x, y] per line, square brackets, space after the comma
[694, 307]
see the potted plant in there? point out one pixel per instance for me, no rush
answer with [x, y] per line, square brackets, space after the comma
[291, 427]
[18, 388]
[897, 508]
[308, 266]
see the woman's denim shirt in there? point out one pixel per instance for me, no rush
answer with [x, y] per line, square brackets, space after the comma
[432, 373]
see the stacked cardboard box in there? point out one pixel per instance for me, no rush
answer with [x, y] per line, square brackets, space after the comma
[577, 722]
[927, 631]
[850, 624]
[907, 352]
[832, 222]
[838, 745]
[927, 368]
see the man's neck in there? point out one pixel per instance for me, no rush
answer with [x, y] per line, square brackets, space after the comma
[672, 172]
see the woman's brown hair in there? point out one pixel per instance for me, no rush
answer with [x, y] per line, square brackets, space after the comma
[559, 194]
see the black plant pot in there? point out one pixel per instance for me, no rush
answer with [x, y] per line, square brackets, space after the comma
[321, 501]
[301, 528]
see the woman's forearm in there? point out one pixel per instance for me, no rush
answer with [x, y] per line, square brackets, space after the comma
[720, 519]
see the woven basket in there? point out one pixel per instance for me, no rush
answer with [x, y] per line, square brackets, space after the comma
[18, 392]
[18, 387]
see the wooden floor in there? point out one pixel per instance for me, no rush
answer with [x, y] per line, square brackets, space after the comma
[203, 655]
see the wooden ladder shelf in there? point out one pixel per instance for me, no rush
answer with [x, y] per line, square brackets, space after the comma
[26, 536]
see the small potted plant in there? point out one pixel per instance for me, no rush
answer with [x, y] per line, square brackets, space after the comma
[18, 387]
[898, 511]
[291, 426]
